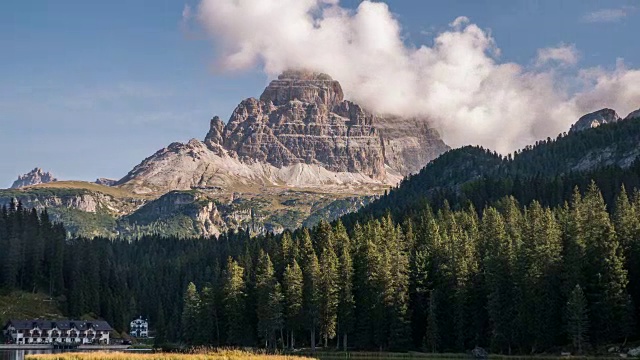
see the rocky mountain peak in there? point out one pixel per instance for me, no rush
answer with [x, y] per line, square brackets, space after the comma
[595, 119]
[33, 177]
[300, 132]
[305, 86]
[633, 115]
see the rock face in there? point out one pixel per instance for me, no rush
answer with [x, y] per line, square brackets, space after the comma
[409, 144]
[194, 166]
[300, 132]
[33, 177]
[595, 119]
[302, 118]
[305, 86]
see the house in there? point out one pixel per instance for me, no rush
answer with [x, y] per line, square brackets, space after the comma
[139, 328]
[57, 332]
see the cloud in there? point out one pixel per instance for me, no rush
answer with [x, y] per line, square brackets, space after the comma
[607, 15]
[618, 89]
[562, 55]
[457, 84]
[186, 12]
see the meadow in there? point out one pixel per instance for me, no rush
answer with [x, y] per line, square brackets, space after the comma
[205, 355]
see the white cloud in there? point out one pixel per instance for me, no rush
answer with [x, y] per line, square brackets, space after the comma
[606, 15]
[186, 12]
[618, 89]
[562, 55]
[457, 84]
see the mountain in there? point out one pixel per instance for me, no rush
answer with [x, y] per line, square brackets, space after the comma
[595, 119]
[296, 155]
[33, 177]
[547, 171]
[299, 133]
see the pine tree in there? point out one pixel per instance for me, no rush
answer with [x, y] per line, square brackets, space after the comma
[498, 266]
[422, 269]
[328, 294]
[234, 294]
[293, 284]
[604, 270]
[190, 314]
[577, 318]
[276, 306]
[399, 332]
[627, 227]
[209, 316]
[269, 298]
[346, 304]
[538, 265]
[323, 236]
[311, 286]
[432, 335]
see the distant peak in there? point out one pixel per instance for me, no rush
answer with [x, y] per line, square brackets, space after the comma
[595, 119]
[33, 177]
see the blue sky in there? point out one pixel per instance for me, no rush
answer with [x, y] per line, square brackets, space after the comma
[88, 89]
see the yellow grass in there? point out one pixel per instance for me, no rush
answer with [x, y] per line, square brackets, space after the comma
[212, 355]
[117, 192]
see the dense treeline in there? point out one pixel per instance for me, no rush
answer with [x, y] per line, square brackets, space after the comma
[514, 279]
[546, 172]
[31, 250]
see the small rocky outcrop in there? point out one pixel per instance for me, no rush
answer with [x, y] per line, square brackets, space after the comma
[595, 119]
[33, 177]
[106, 182]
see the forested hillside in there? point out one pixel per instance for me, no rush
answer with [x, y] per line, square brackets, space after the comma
[547, 172]
[514, 279]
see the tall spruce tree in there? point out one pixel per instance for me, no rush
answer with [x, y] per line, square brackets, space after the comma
[577, 318]
[293, 285]
[311, 286]
[328, 294]
[234, 297]
[269, 301]
[498, 260]
[346, 304]
[191, 315]
[606, 277]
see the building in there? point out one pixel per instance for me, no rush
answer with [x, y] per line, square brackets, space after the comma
[57, 332]
[139, 328]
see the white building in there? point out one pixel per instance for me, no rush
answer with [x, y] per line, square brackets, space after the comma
[57, 332]
[139, 328]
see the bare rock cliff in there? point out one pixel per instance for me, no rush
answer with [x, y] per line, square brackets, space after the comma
[302, 118]
[33, 177]
[595, 119]
[300, 132]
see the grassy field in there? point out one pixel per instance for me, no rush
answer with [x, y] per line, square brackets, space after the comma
[22, 305]
[374, 355]
[108, 190]
[212, 355]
